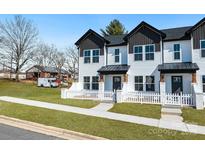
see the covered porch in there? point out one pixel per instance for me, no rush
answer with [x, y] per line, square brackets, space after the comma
[113, 77]
[177, 78]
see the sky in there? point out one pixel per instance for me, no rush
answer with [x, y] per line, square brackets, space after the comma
[65, 30]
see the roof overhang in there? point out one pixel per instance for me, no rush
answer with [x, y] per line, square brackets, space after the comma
[114, 69]
[195, 26]
[178, 68]
[89, 32]
[163, 35]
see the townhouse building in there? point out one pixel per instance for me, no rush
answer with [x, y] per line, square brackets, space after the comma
[146, 59]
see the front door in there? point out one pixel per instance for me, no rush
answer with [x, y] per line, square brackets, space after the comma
[117, 83]
[177, 84]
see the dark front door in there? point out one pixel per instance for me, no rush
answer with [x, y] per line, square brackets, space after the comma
[116, 83]
[177, 84]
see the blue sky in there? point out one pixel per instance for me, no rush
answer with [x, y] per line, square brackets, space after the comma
[64, 30]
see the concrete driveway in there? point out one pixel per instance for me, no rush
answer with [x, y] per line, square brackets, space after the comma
[12, 133]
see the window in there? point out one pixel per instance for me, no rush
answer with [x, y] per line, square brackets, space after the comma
[95, 85]
[176, 51]
[117, 55]
[150, 85]
[149, 52]
[202, 45]
[87, 56]
[96, 56]
[86, 82]
[139, 83]
[138, 53]
[203, 83]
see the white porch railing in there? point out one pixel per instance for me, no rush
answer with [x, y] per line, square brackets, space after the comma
[133, 97]
[90, 95]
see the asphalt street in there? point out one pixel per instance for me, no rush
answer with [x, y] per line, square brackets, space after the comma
[13, 133]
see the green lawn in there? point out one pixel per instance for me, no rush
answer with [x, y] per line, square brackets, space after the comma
[106, 128]
[145, 110]
[194, 116]
[31, 91]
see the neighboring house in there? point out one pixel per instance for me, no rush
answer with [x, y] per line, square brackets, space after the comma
[37, 71]
[147, 59]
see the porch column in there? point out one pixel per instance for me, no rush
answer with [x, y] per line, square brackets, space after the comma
[125, 82]
[194, 78]
[101, 83]
[162, 84]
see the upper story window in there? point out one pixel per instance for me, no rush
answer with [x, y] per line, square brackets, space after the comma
[176, 51]
[150, 83]
[96, 54]
[149, 52]
[87, 56]
[202, 45]
[139, 83]
[138, 54]
[95, 85]
[203, 83]
[117, 55]
[86, 84]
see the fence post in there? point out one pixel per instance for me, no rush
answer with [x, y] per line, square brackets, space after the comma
[181, 100]
[118, 98]
[199, 100]
[64, 93]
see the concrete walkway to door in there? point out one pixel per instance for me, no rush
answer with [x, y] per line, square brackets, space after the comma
[179, 126]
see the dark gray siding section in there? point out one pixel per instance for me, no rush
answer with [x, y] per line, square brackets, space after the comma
[144, 36]
[91, 42]
[198, 34]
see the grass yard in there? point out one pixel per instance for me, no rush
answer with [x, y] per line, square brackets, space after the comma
[145, 110]
[110, 129]
[194, 116]
[31, 91]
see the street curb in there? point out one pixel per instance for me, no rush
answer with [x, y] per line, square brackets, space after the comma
[48, 130]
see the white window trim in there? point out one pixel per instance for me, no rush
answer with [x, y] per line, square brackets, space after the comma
[94, 83]
[118, 55]
[143, 52]
[138, 54]
[87, 82]
[180, 52]
[139, 83]
[201, 48]
[96, 56]
[87, 56]
[149, 52]
[91, 55]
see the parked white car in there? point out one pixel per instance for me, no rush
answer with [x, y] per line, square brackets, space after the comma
[47, 82]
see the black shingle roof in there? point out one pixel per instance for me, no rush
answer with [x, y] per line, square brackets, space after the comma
[185, 67]
[176, 33]
[116, 39]
[116, 69]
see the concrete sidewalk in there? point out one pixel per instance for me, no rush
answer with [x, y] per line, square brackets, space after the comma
[180, 126]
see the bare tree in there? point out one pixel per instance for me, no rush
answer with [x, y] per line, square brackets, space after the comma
[71, 63]
[58, 59]
[44, 54]
[18, 40]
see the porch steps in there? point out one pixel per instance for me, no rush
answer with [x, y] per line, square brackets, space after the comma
[171, 113]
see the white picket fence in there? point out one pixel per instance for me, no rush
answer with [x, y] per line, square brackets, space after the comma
[133, 97]
[156, 98]
[90, 95]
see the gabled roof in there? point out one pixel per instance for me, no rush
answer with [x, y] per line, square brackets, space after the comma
[114, 69]
[90, 31]
[178, 33]
[196, 25]
[147, 25]
[116, 40]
